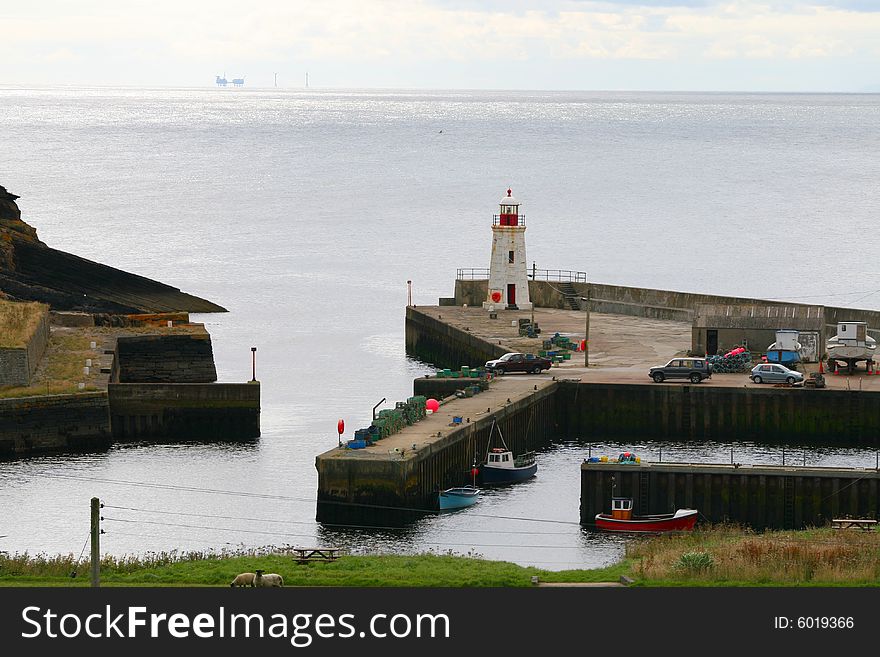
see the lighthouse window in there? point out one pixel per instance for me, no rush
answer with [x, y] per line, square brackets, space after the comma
[510, 257]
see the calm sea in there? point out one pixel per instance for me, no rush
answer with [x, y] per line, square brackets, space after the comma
[305, 212]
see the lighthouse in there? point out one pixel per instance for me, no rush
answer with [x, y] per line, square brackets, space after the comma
[508, 278]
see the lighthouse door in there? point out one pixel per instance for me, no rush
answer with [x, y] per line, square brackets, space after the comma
[511, 294]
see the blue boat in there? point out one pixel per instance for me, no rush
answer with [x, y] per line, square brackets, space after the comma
[458, 497]
[786, 350]
[501, 467]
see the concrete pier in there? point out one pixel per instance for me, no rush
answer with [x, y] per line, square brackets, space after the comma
[762, 497]
[392, 481]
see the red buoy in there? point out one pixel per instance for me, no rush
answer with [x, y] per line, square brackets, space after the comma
[340, 427]
[432, 405]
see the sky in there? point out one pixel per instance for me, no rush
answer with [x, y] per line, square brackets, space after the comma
[696, 45]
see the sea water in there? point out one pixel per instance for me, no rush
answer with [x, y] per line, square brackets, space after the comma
[305, 212]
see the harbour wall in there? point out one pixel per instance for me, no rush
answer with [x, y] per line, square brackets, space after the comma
[355, 487]
[444, 345]
[695, 412]
[54, 423]
[761, 497]
[184, 411]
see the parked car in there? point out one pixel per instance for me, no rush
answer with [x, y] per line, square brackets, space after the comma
[694, 369]
[517, 362]
[775, 373]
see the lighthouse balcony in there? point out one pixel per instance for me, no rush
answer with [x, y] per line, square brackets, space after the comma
[509, 220]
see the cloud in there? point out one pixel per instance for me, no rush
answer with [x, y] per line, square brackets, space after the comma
[366, 37]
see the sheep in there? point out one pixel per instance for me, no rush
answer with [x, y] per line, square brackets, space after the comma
[244, 579]
[268, 580]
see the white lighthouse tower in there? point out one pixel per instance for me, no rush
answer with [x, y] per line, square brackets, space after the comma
[508, 278]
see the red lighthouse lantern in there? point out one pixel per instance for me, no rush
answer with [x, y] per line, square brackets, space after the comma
[509, 214]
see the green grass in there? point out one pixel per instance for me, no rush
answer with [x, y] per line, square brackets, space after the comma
[198, 569]
[18, 321]
[715, 556]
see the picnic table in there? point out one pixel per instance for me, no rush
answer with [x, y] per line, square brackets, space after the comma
[866, 524]
[307, 555]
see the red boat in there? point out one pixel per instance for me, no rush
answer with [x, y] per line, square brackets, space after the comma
[622, 519]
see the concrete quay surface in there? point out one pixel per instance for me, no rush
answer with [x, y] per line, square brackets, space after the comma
[622, 348]
[502, 392]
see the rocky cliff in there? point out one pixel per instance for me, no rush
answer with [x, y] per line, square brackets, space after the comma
[32, 271]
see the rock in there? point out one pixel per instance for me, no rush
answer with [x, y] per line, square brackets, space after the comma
[32, 271]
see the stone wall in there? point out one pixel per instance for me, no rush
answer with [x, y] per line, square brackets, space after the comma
[55, 423]
[658, 304]
[185, 411]
[181, 358]
[17, 365]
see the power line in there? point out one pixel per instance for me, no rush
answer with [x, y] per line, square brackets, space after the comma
[269, 533]
[215, 491]
[313, 524]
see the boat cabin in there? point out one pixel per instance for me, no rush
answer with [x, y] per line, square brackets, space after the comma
[500, 458]
[621, 508]
[852, 333]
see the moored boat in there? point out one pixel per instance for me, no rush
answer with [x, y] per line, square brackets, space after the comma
[458, 497]
[502, 467]
[621, 519]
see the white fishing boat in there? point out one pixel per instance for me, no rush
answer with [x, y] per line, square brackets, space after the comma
[851, 345]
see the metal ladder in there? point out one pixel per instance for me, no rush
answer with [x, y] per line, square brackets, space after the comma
[788, 502]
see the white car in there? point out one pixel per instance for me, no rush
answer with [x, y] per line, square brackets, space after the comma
[775, 373]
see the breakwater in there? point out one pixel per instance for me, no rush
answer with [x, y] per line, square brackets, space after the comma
[762, 497]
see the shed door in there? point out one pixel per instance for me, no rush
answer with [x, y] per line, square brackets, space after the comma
[711, 342]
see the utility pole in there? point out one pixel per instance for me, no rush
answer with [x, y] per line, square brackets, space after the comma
[586, 300]
[253, 364]
[409, 293]
[534, 278]
[95, 574]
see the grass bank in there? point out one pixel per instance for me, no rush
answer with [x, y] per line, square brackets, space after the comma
[733, 556]
[18, 321]
[209, 569]
[714, 556]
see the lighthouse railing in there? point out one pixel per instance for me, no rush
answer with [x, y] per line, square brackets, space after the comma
[500, 219]
[559, 275]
